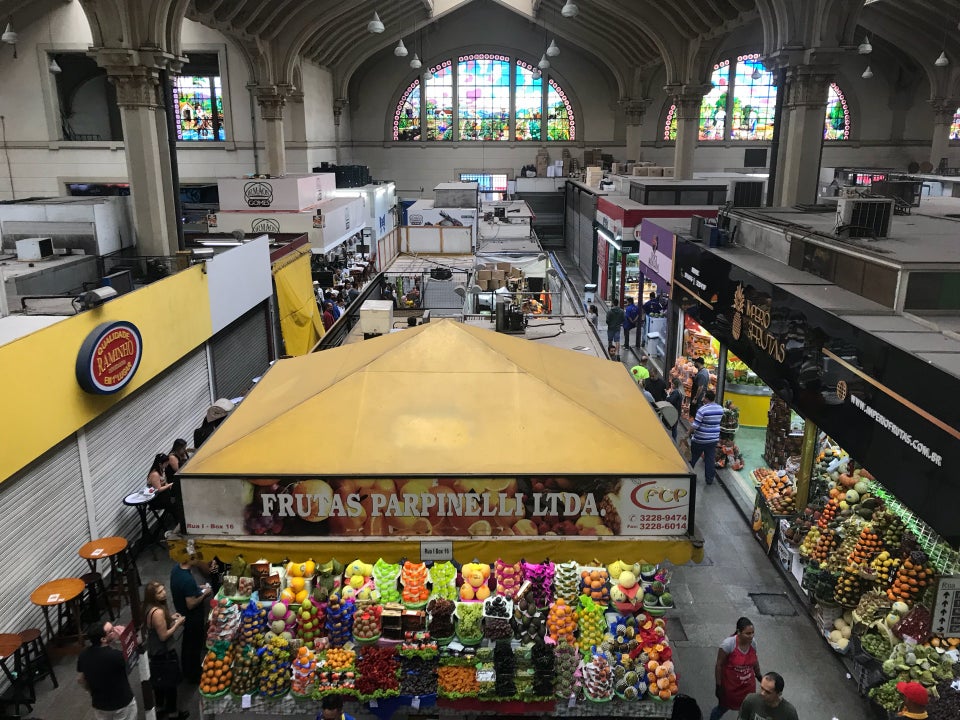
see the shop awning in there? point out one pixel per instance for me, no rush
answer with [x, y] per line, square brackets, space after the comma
[677, 549]
[438, 400]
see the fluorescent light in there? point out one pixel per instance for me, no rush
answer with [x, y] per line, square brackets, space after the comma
[611, 239]
[219, 243]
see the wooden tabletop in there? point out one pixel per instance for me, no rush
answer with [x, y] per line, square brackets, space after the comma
[103, 548]
[9, 644]
[57, 592]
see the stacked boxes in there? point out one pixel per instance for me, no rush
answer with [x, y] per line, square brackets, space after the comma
[542, 161]
[594, 176]
[493, 276]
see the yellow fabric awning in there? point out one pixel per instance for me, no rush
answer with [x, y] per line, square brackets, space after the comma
[301, 323]
[678, 550]
[438, 400]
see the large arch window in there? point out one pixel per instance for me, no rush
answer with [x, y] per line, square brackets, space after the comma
[484, 96]
[745, 92]
[955, 127]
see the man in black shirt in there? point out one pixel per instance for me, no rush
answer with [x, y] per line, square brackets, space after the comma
[655, 385]
[103, 673]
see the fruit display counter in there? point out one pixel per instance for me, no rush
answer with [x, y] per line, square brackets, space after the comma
[544, 639]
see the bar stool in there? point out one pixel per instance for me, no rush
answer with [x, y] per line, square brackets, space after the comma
[36, 661]
[95, 595]
[124, 576]
[20, 693]
[63, 594]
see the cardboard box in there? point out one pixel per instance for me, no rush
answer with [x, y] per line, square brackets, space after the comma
[505, 266]
[484, 276]
[291, 193]
[641, 171]
[655, 171]
[668, 172]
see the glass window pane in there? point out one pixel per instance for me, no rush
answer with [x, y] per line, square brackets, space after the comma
[713, 107]
[483, 97]
[529, 108]
[199, 103]
[438, 93]
[837, 123]
[754, 100]
[561, 125]
[406, 119]
[955, 127]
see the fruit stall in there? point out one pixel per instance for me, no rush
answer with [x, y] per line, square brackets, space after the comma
[504, 563]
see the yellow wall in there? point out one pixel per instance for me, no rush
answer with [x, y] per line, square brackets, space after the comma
[43, 403]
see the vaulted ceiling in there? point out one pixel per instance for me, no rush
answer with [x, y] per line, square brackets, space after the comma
[628, 36]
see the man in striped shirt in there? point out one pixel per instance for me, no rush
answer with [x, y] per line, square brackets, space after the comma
[706, 435]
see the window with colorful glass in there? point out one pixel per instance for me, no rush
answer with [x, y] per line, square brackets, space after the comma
[406, 119]
[529, 102]
[744, 91]
[199, 104]
[438, 95]
[483, 97]
[955, 127]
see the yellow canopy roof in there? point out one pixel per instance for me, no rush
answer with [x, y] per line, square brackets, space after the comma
[441, 399]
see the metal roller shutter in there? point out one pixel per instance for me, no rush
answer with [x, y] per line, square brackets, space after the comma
[586, 244]
[44, 524]
[571, 221]
[121, 443]
[240, 353]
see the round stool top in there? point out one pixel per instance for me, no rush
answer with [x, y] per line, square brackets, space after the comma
[9, 644]
[30, 635]
[139, 498]
[102, 548]
[57, 592]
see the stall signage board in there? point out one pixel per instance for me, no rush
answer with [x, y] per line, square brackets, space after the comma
[109, 357]
[946, 606]
[444, 507]
[656, 246]
[436, 550]
[128, 646]
[892, 410]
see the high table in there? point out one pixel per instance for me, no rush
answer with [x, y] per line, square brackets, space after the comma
[123, 572]
[142, 502]
[63, 594]
[10, 648]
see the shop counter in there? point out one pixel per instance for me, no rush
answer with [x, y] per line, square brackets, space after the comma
[753, 402]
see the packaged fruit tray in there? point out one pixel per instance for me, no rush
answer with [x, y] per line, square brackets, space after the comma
[372, 640]
[591, 698]
[214, 696]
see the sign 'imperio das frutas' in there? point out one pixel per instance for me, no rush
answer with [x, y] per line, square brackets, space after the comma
[893, 411]
[454, 507]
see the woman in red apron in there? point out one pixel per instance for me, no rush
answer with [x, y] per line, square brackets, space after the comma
[738, 669]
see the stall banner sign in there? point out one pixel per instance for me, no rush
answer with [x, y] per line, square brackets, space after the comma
[603, 266]
[128, 645]
[656, 252]
[447, 507]
[109, 357]
[891, 410]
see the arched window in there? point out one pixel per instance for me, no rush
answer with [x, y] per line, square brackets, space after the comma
[745, 92]
[484, 96]
[955, 127]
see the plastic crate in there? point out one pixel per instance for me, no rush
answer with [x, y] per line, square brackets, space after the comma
[867, 676]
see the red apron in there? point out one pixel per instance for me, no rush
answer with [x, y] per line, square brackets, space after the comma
[739, 677]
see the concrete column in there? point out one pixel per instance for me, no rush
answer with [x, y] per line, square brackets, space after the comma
[687, 100]
[635, 111]
[139, 97]
[798, 177]
[271, 100]
[297, 157]
[339, 105]
[943, 110]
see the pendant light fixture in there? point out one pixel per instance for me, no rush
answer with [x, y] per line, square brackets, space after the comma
[10, 35]
[375, 26]
[867, 74]
[570, 10]
[54, 66]
[553, 49]
[756, 74]
[415, 62]
[544, 63]
[943, 60]
[400, 50]
[865, 48]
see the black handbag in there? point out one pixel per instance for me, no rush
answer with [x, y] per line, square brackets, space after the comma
[165, 669]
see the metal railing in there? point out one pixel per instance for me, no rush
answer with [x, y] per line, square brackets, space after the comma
[338, 332]
[144, 268]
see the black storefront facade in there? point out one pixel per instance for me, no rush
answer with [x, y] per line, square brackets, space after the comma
[894, 412]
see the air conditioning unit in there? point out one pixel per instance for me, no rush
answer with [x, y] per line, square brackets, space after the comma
[865, 217]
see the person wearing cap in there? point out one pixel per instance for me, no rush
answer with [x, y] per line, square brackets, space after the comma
[216, 414]
[915, 699]
[768, 704]
[639, 373]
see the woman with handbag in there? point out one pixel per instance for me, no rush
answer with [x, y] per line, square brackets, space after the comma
[164, 662]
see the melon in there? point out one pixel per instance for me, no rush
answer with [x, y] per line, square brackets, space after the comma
[852, 497]
[901, 608]
[862, 487]
[836, 636]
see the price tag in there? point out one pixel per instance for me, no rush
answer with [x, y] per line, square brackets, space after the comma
[245, 702]
[486, 675]
[53, 598]
[455, 646]
[374, 703]
[572, 702]
[436, 550]
[415, 703]
[97, 553]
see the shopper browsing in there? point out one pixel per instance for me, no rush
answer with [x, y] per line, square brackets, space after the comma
[189, 599]
[706, 435]
[631, 320]
[652, 306]
[102, 672]
[768, 704]
[656, 385]
[675, 398]
[701, 381]
[737, 670]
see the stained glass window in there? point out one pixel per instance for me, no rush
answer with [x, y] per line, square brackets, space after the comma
[438, 93]
[199, 103]
[406, 120]
[837, 123]
[955, 127]
[754, 100]
[713, 107]
[529, 102]
[483, 97]
[560, 121]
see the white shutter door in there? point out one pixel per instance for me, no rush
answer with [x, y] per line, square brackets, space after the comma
[44, 524]
[122, 442]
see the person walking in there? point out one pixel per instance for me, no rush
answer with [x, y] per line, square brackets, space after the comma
[706, 435]
[737, 670]
[701, 381]
[594, 317]
[656, 385]
[164, 663]
[102, 672]
[675, 398]
[768, 704]
[631, 320]
[188, 600]
[615, 318]
[915, 700]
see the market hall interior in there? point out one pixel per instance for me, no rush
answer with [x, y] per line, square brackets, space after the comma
[765, 170]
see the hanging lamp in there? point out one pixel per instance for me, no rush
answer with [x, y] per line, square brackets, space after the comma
[54, 66]
[865, 48]
[544, 63]
[756, 74]
[10, 35]
[415, 62]
[553, 49]
[375, 26]
[400, 50]
[943, 60]
[867, 74]
[570, 10]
